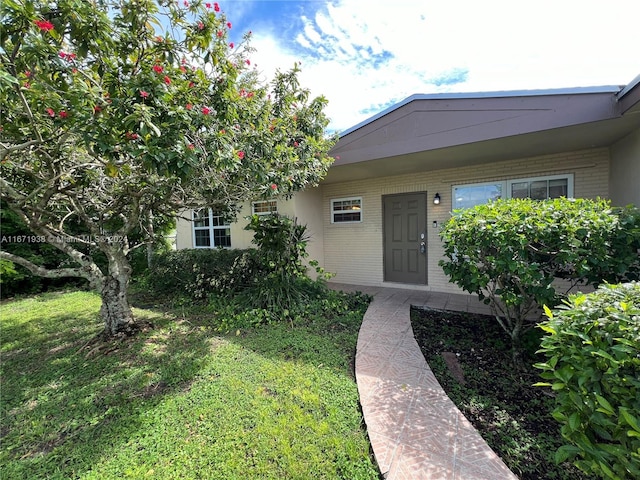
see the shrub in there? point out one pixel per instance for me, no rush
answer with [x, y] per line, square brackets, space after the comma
[282, 247]
[320, 300]
[510, 252]
[199, 273]
[246, 287]
[624, 265]
[593, 365]
[282, 243]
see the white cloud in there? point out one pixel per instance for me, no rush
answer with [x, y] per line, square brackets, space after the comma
[364, 54]
[310, 32]
[302, 40]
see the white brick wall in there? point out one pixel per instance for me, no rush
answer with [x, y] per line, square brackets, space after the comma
[240, 238]
[354, 252]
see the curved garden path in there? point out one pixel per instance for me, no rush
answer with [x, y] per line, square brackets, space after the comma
[415, 430]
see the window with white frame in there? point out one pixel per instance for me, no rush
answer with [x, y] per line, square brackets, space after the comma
[537, 188]
[346, 210]
[541, 188]
[210, 229]
[264, 207]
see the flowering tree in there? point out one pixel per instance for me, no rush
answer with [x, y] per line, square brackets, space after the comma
[114, 112]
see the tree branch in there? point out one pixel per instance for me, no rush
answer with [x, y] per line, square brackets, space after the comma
[6, 150]
[47, 273]
[48, 232]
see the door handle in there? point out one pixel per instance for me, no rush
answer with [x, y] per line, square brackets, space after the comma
[423, 247]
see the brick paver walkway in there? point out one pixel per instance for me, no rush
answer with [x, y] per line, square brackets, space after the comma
[415, 430]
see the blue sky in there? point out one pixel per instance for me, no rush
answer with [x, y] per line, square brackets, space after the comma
[365, 55]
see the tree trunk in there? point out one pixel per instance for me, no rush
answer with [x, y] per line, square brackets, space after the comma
[517, 354]
[116, 311]
[150, 239]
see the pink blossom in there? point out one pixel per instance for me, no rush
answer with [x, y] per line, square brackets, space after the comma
[189, 106]
[208, 5]
[240, 154]
[158, 68]
[274, 186]
[228, 24]
[183, 69]
[144, 94]
[28, 74]
[216, 7]
[247, 61]
[50, 112]
[231, 45]
[200, 26]
[167, 80]
[63, 114]
[191, 84]
[206, 111]
[191, 146]
[67, 56]
[44, 25]
[219, 34]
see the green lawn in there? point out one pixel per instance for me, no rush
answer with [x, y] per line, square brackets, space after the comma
[178, 401]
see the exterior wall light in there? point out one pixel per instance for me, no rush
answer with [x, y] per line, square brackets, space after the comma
[436, 199]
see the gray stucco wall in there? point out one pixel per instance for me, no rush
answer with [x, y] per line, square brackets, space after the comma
[624, 186]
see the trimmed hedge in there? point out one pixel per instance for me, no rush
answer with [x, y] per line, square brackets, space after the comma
[198, 273]
[593, 352]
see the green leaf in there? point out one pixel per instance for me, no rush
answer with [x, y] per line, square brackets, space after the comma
[630, 419]
[7, 78]
[574, 421]
[111, 170]
[547, 328]
[606, 406]
[565, 452]
[155, 129]
[602, 354]
[605, 468]
[549, 314]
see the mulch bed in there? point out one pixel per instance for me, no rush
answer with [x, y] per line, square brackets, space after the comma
[470, 356]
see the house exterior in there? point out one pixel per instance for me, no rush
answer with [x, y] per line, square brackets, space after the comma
[375, 219]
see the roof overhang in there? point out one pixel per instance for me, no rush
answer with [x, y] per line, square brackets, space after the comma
[629, 97]
[431, 132]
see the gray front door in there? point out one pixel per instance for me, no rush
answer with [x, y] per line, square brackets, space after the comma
[405, 222]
